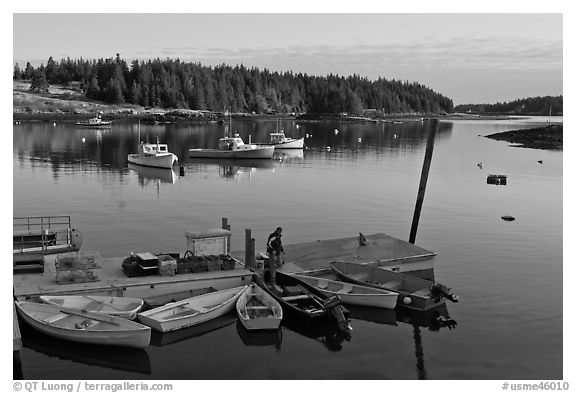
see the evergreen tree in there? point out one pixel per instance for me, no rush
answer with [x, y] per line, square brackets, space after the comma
[17, 75]
[28, 71]
[39, 82]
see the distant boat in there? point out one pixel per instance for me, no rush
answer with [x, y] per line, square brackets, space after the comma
[354, 294]
[191, 311]
[235, 148]
[413, 292]
[258, 310]
[281, 141]
[153, 155]
[95, 122]
[83, 326]
[123, 307]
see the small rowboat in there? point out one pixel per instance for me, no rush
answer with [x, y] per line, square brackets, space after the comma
[354, 294]
[191, 311]
[83, 326]
[257, 310]
[413, 292]
[123, 307]
[301, 300]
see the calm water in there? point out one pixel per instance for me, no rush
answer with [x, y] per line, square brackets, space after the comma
[508, 274]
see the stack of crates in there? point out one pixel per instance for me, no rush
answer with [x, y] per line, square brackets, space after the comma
[167, 265]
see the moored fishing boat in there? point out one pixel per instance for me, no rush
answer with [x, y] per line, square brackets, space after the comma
[153, 155]
[280, 141]
[123, 307]
[234, 148]
[354, 294]
[258, 310]
[95, 122]
[413, 292]
[191, 311]
[83, 326]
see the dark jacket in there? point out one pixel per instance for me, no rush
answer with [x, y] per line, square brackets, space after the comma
[274, 243]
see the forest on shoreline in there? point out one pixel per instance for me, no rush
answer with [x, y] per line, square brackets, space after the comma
[173, 84]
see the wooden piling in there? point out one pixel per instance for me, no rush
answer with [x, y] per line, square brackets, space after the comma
[423, 180]
[226, 226]
[247, 237]
[251, 254]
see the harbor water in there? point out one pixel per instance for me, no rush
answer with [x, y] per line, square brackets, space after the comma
[353, 177]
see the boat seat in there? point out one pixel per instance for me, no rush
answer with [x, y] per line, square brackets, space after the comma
[422, 292]
[257, 307]
[297, 297]
[55, 318]
[321, 284]
[394, 284]
[184, 313]
[346, 288]
[94, 306]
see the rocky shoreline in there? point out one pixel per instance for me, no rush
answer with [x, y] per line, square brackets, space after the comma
[549, 137]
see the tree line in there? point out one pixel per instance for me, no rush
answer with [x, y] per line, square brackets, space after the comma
[175, 84]
[525, 106]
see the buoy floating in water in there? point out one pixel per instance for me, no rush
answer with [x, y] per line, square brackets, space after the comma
[336, 131]
[508, 218]
[83, 140]
[539, 161]
[327, 148]
[359, 139]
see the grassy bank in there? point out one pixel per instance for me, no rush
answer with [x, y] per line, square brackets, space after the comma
[548, 138]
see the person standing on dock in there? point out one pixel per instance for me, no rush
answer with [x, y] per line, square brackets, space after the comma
[274, 247]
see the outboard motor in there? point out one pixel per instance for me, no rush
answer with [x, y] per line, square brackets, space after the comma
[438, 291]
[334, 305]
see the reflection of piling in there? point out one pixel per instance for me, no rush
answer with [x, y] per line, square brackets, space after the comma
[419, 353]
[423, 180]
[249, 250]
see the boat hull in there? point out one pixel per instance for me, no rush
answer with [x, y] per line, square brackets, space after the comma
[157, 161]
[191, 311]
[353, 294]
[121, 307]
[291, 144]
[84, 327]
[258, 153]
[413, 292]
[258, 310]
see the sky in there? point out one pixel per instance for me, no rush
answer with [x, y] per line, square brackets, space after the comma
[469, 57]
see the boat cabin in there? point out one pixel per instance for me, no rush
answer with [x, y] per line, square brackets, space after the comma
[277, 137]
[153, 148]
[231, 143]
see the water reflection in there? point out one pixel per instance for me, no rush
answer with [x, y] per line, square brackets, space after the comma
[260, 338]
[328, 334]
[148, 175]
[125, 359]
[230, 168]
[64, 144]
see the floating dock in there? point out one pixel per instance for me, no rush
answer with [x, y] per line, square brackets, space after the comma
[380, 250]
[113, 282]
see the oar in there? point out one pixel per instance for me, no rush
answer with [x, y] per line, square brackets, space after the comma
[85, 314]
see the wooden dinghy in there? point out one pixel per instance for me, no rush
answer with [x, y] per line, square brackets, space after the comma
[354, 294]
[413, 292]
[258, 310]
[302, 300]
[191, 311]
[123, 307]
[83, 326]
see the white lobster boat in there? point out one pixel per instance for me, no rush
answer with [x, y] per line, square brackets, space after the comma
[83, 326]
[257, 310]
[233, 148]
[123, 307]
[154, 155]
[191, 311]
[357, 295]
[281, 141]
